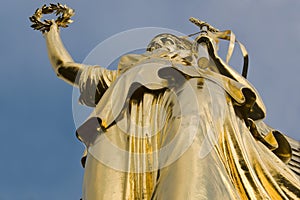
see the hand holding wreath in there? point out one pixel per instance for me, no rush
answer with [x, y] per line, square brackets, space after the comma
[63, 12]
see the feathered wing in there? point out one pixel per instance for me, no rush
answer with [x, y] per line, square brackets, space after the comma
[294, 163]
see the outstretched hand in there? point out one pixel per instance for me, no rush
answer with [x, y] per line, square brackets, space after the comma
[54, 26]
[64, 17]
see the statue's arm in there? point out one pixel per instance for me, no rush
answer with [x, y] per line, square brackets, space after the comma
[92, 81]
[61, 61]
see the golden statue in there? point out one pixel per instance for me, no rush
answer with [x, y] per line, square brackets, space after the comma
[176, 122]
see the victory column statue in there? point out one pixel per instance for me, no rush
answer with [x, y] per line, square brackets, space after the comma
[176, 122]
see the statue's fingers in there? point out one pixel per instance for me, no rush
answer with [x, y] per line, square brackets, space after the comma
[54, 26]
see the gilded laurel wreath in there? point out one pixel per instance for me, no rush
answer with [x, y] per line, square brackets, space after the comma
[63, 12]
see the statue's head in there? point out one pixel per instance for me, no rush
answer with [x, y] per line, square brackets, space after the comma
[203, 50]
[169, 42]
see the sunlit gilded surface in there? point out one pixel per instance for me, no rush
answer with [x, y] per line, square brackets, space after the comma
[189, 98]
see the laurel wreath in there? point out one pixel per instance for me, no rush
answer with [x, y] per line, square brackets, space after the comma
[63, 12]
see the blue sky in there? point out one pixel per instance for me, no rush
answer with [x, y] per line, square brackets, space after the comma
[40, 153]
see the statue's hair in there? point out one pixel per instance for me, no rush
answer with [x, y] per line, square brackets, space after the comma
[169, 41]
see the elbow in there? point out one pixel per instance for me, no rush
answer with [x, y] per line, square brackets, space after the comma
[57, 66]
[68, 73]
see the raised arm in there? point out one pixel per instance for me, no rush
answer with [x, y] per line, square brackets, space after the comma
[61, 61]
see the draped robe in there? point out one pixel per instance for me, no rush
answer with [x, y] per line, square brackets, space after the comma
[162, 129]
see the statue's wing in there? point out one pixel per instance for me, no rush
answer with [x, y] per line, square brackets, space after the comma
[294, 146]
[294, 163]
